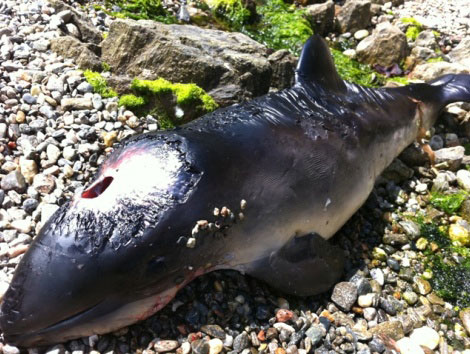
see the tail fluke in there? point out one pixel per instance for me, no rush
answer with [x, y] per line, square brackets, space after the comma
[454, 87]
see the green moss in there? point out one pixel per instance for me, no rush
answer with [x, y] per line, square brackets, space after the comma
[132, 101]
[231, 11]
[139, 9]
[412, 33]
[434, 60]
[436, 34]
[449, 203]
[399, 79]
[434, 234]
[412, 21]
[281, 26]
[105, 35]
[186, 94]
[99, 84]
[105, 66]
[356, 72]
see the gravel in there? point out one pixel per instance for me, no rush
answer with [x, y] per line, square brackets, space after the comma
[55, 132]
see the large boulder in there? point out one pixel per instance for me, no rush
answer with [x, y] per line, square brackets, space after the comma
[228, 64]
[386, 46]
[461, 53]
[354, 15]
[321, 17]
[430, 71]
[86, 54]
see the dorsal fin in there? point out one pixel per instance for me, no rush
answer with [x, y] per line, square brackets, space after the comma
[316, 66]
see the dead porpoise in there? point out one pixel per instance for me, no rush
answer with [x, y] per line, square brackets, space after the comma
[257, 187]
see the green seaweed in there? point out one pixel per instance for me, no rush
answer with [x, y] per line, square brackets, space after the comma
[281, 26]
[139, 10]
[99, 84]
[449, 203]
[186, 94]
[132, 102]
[435, 60]
[414, 29]
[433, 233]
[105, 66]
[351, 70]
[233, 12]
[399, 79]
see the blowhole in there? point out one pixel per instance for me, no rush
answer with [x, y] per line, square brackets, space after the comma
[98, 188]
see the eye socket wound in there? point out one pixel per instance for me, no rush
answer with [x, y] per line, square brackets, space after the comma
[98, 188]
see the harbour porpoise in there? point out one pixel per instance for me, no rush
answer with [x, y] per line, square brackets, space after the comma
[258, 187]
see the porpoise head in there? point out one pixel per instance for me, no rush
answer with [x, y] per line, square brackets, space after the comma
[112, 255]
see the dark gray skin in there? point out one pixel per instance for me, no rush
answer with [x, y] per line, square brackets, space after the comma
[303, 159]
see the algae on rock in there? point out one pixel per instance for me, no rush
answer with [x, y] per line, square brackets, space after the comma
[99, 84]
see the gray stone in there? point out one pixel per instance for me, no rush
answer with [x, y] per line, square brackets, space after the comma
[427, 39]
[241, 342]
[397, 172]
[452, 157]
[283, 66]
[27, 98]
[344, 295]
[461, 53]
[354, 15]
[84, 87]
[55, 83]
[315, 333]
[386, 46]
[209, 58]
[463, 179]
[430, 71]
[321, 17]
[76, 103]
[14, 181]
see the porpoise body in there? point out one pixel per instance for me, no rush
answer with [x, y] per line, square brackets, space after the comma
[258, 187]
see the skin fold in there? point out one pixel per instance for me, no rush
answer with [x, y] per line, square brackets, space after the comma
[258, 187]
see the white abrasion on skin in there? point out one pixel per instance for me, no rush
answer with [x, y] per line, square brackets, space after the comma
[134, 175]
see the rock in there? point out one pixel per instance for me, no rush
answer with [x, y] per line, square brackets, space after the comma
[366, 300]
[392, 329]
[23, 226]
[354, 15]
[386, 46]
[283, 315]
[361, 34]
[9, 349]
[85, 87]
[463, 179]
[430, 71]
[410, 297]
[84, 54]
[28, 169]
[460, 234]
[465, 318]
[378, 275]
[407, 346]
[44, 183]
[88, 32]
[213, 331]
[344, 295]
[215, 346]
[209, 58]
[76, 103]
[47, 210]
[163, 346]
[425, 336]
[427, 39]
[283, 66]
[411, 229]
[241, 342]
[13, 181]
[315, 333]
[422, 285]
[321, 17]
[451, 156]
[69, 153]
[53, 153]
[461, 53]
[55, 83]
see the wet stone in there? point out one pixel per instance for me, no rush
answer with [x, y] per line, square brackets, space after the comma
[344, 295]
[393, 329]
[200, 346]
[214, 331]
[376, 345]
[163, 346]
[241, 342]
[423, 286]
[315, 333]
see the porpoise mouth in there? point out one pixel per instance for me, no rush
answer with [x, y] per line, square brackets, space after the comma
[106, 316]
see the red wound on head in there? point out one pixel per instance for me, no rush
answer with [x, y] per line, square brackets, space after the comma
[97, 188]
